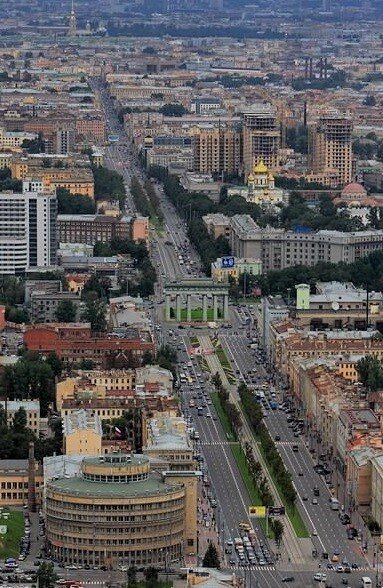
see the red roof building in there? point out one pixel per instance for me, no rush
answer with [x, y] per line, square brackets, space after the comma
[73, 342]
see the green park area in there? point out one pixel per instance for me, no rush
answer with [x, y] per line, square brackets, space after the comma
[196, 314]
[12, 523]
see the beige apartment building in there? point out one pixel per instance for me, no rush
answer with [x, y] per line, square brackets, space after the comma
[82, 433]
[14, 486]
[261, 137]
[216, 149]
[278, 248]
[32, 411]
[330, 149]
[124, 512]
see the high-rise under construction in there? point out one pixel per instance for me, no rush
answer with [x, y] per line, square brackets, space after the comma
[261, 137]
[330, 149]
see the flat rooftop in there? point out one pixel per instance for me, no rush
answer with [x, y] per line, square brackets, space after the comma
[89, 489]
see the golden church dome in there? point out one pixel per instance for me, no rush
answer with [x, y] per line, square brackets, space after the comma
[260, 168]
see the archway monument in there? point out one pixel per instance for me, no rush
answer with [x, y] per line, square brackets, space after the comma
[188, 300]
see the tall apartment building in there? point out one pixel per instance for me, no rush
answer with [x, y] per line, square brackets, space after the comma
[261, 137]
[27, 231]
[216, 149]
[330, 149]
[64, 141]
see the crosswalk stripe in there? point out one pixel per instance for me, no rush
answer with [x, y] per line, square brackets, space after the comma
[215, 443]
[287, 443]
[253, 568]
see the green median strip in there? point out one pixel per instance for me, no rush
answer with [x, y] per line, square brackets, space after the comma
[223, 417]
[291, 510]
[240, 459]
[251, 488]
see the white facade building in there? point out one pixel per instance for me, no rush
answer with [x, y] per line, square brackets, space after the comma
[27, 231]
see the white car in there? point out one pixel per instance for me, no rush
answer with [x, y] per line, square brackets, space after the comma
[319, 577]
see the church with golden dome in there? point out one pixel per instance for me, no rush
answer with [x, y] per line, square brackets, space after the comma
[260, 188]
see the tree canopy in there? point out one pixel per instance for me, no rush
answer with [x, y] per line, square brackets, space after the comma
[68, 203]
[370, 372]
[211, 557]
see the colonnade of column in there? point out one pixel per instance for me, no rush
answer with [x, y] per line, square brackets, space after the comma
[178, 306]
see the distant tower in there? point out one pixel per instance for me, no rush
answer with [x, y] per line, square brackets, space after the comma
[72, 22]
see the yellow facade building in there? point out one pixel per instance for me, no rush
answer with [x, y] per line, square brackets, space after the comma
[82, 433]
[116, 512]
[14, 476]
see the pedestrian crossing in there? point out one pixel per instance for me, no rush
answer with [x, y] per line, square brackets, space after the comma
[209, 443]
[253, 568]
[287, 443]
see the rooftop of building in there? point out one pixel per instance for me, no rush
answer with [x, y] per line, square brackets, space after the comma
[168, 433]
[216, 218]
[89, 218]
[362, 455]
[14, 405]
[342, 291]
[365, 417]
[13, 465]
[81, 420]
[79, 486]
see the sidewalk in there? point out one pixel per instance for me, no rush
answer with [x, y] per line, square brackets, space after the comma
[207, 528]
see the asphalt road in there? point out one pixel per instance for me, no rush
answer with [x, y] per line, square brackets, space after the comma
[226, 482]
[331, 533]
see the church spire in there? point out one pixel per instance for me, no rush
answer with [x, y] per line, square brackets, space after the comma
[72, 22]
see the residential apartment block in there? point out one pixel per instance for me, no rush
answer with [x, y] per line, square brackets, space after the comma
[278, 248]
[330, 150]
[90, 228]
[27, 231]
[261, 137]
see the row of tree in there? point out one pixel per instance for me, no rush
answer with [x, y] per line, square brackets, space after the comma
[154, 199]
[7, 183]
[324, 216]
[363, 272]
[229, 408]
[140, 198]
[253, 411]
[370, 371]
[68, 203]
[108, 185]
[259, 480]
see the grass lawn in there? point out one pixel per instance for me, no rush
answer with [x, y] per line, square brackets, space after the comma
[225, 363]
[223, 417]
[10, 542]
[292, 512]
[248, 481]
[156, 223]
[196, 314]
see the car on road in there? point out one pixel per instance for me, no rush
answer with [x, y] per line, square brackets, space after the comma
[319, 577]
[314, 501]
[288, 579]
